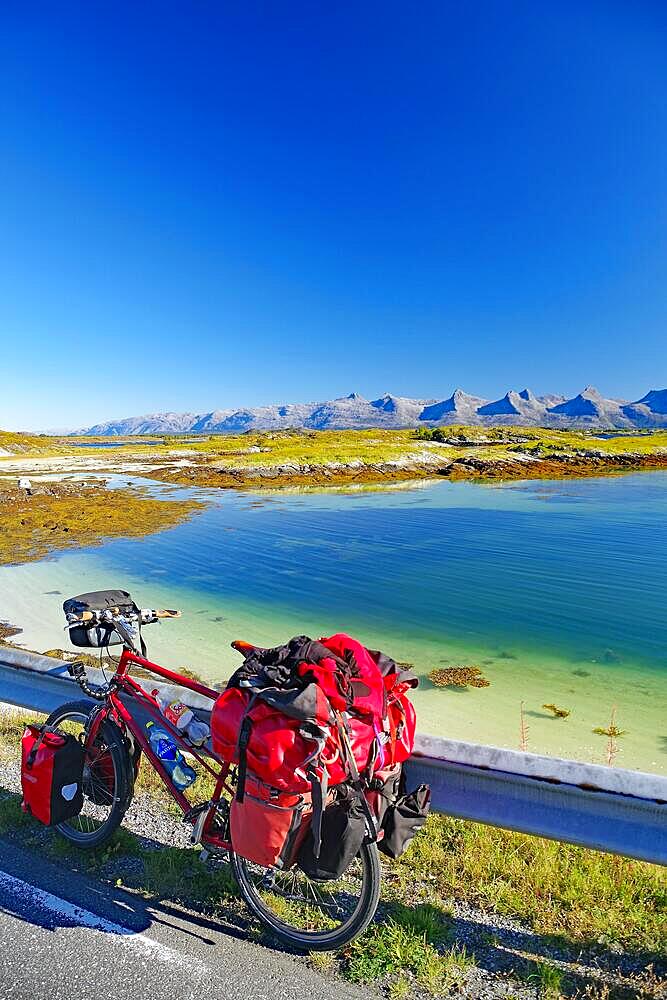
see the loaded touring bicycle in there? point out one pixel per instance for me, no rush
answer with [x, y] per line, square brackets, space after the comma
[304, 755]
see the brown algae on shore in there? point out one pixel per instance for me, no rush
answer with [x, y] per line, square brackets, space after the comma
[66, 517]
[300, 457]
[556, 711]
[330, 458]
[8, 631]
[458, 677]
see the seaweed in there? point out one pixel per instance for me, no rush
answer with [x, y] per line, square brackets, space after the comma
[458, 677]
[33, 527]
[558, 713]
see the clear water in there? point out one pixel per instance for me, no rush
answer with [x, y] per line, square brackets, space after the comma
[557, 590]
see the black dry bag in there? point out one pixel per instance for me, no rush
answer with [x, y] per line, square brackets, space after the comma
[403, 820]
[343, 832]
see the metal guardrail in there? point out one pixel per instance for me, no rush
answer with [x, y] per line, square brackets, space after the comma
[608, 809]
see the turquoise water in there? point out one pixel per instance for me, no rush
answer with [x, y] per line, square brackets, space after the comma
[558, 590]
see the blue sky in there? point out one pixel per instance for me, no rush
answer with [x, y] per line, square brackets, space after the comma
[206, 205]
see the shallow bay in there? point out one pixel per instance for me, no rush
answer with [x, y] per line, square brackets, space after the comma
[557, 590]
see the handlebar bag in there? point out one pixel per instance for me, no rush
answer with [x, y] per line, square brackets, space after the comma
[102, 600]
[267, 825]
[51, 774]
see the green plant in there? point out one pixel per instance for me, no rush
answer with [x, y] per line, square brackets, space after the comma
[613, 733]
[456, 963]
[434, 923]
[555, 888]
[523, 729]
[549, 979]
[391, 949]
[400, 987]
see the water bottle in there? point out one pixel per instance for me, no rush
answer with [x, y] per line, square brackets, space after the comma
[198, 732]
[170, 757]
[175, 712]
[183, 719]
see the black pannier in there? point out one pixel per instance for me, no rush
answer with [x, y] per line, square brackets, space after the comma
[118, 601]
[344, 828]
[403, 819]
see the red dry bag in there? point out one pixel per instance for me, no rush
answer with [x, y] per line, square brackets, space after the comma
[51, 774]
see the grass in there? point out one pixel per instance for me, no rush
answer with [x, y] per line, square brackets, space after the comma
[556, 889]
[322, 457]
[549, 979]
[32, 528]
[317, 447]
[12, 724]
[21, 443]
[179, 873]
[398, 949]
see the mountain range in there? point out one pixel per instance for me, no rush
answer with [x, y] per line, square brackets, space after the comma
[587, 409]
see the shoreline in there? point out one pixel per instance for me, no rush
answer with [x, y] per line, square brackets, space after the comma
[51, 517]
[293, 459]
[475, 469]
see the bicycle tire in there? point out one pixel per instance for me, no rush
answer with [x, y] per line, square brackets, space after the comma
[123, 778]
[316, 940]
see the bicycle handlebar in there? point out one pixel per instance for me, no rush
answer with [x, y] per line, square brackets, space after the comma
[146, 616]
[77, 669]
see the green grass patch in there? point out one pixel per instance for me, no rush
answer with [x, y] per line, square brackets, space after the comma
[557, 889]
[396, 951]
[12, 725]
[548, 979]
[12, 816]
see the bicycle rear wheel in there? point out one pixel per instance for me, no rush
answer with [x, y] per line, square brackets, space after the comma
[311, 915]
[107, 778]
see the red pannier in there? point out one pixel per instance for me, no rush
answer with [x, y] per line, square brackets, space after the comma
[279, 747]
[381, 702]
[304, 718]
[380, 719]
[51, 774]
[268, 826]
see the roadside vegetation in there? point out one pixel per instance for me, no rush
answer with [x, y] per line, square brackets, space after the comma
[467, 906]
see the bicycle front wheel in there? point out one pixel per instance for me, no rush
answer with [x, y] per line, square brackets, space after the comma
[107, 778]
[312, 915]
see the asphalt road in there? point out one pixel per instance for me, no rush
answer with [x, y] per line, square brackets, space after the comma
[63, 936]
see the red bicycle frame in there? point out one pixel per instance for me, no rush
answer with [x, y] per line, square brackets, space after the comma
[118, 710]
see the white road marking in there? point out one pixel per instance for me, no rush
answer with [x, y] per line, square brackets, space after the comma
[84, 918]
